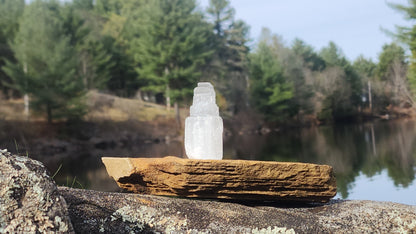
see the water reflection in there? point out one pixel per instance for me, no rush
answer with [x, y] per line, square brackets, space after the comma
[87, 170]
[356, 151]
[351, 149]
[380, 187]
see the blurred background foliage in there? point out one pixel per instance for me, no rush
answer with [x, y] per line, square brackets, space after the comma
[53, 52]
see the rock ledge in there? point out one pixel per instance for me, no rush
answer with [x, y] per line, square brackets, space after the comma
[30, 202]
[224, 179]
[93, 211]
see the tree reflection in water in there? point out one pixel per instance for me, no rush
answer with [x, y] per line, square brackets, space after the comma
[368, 148]
[353, 150]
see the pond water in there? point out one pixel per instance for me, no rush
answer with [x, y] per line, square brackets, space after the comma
[372, 161]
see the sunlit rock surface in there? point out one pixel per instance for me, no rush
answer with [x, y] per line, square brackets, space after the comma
[29, 199]
[93, 212]
[31, 203]
[204, 127]
[224, 179]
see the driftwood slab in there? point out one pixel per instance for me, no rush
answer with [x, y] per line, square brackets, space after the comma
[224, 179]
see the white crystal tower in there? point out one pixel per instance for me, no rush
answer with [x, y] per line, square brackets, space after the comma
[203, 128]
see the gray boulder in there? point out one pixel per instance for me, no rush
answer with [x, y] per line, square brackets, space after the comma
[30, 202]
[29, 199]
[93, 211]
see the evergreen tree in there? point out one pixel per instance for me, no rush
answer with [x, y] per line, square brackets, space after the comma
[390, 53]
[228, 66]
[365, 67]
[351, 83]
[109, 6]
[236, 61]
[372, 93]
[333, 55]
[407, 35]
[46, 67]
[298, 67]
[171, 48]
[311, 59]
[222, 14]
[392, 70]
[295, 71]
[271, 92]
[10, 14]
[84, 26]
[121, 26]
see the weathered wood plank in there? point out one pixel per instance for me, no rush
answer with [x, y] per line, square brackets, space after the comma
[224, 179]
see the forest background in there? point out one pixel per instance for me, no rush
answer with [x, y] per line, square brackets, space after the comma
[53, 53]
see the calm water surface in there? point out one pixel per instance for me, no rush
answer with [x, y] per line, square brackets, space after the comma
[372, 161]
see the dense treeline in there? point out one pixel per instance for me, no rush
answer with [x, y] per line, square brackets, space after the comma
[53, 52]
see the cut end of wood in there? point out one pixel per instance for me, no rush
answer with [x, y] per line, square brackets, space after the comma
[224, 179]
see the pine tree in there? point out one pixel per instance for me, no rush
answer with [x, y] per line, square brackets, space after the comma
[407, 35]
[392, 70]
[311, 59]
[222, 14]
[10, 14]
[83, 26]
[171, 48]
[349, 82]
[388, 55]
[271, 92]
[120, 26]
[229, 64]
[46, 67]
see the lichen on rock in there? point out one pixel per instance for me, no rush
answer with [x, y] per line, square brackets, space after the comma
[126, 213]
[30, 202]
[29, 199]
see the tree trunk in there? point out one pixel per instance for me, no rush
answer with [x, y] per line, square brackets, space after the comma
[26, 96]
[26, 103]
[167, 89]
[370, 102]
[84, 71]
[167, 97]
[177, 115]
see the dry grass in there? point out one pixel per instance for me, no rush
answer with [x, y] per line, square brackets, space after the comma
[101, 107]
[12, 109]
[108, 107]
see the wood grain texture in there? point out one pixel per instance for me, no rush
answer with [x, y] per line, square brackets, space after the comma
[224, 179]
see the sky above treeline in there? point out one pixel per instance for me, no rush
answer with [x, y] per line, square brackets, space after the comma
[354, 25]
